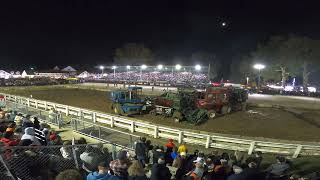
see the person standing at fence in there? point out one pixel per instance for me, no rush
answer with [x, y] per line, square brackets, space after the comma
[182, 148]
[160, 171]
[120, 166]
[141, 150]
[101, 174]
[28, 137]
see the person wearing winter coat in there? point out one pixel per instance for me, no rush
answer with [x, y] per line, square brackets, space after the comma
[160, 171]
[136, 171]
[8, 140]
[28, 138]
[101, 174]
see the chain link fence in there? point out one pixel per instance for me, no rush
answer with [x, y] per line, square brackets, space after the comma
[45, 162]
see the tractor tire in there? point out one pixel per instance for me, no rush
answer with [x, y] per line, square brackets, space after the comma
[243, 106]
[225, 109]
[211, 114]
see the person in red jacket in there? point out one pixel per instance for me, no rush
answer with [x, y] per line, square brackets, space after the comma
[170, 144]
[8, 140]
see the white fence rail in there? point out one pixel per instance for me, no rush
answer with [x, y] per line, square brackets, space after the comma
[205, 140]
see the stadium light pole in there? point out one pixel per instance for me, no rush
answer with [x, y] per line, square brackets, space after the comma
[143, 66]
[114, 71]
[128, 68]
[101, 67]
[160, 66]
[259, 67]
[197, 67]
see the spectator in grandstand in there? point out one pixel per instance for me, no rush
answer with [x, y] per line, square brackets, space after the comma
[11, 127]
[174, 153]
[2, 129]
[136, 171]
[54, 140]
[18, 120]
[278, 169]
[157, 153]
[90, 159]
[26, 122]
[169, 148]
[101, 174]
[141, 150]
[160, 171]
[28, 138]
[66, 150]
[258, 158]
[120, 166]
[8, 139]
[251, 172]
[237, 174]
[182, 148]
[197, 173]
[36, 123]
[70, 174]
[180, 162]
[40, 135]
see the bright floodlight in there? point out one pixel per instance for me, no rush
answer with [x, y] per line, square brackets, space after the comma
[178, 67]
[128, 67]
[101, 67]
[143, 66]
[160, 66]
[114, 67]
[259, 66]
[198, 67]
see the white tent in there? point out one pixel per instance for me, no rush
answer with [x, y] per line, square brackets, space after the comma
[4, 74]
[84, 74]
[69, 69]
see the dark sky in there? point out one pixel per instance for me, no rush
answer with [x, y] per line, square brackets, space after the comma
[45, 33]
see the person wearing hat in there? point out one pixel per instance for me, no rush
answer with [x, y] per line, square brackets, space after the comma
[101, 174]
[120, 166]
[199, 170]
[160, 171]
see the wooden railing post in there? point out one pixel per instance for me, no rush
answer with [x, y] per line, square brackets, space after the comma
[156, 131]
[251, 148]
[208, 142]
[36, 104]
[67, 110]
[45, 105]
[132, 126]
[180, 139]
[28, 102]
[94, 117]
[112, 122]
[297, 151]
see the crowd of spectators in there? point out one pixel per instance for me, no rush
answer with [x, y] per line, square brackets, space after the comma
[32, 81]
[172, 78]
[43, 154]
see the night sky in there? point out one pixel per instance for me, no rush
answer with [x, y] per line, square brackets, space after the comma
[47, 33]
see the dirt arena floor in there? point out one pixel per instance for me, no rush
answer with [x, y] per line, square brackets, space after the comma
[256, 122]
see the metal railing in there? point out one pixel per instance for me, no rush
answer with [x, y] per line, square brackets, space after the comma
[207, 140]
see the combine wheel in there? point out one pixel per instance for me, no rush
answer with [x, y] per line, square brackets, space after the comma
[211, 114]
[225, 109]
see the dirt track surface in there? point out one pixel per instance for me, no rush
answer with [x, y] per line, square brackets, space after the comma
[256, 122]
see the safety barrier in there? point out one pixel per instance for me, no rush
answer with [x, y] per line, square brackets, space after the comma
[206, 140]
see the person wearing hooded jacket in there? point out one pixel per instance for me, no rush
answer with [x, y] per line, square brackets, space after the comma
[28, 138]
